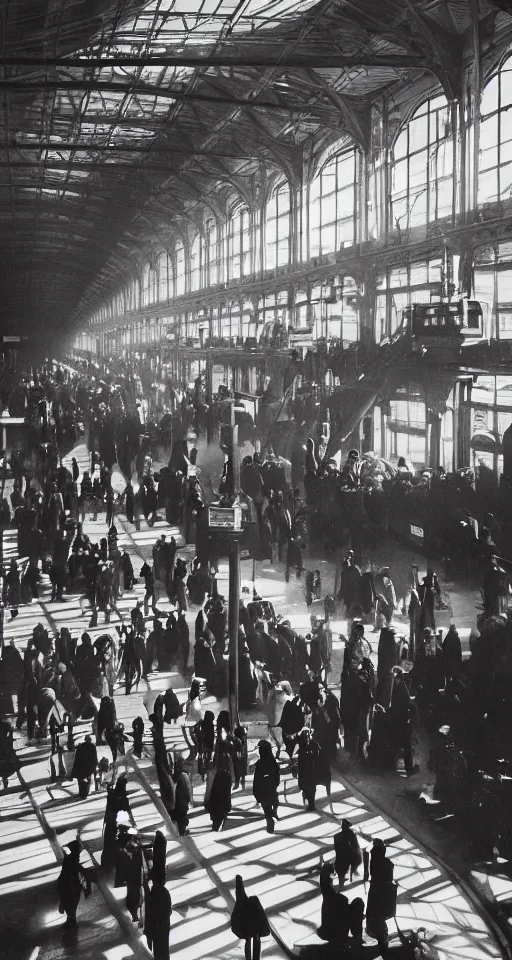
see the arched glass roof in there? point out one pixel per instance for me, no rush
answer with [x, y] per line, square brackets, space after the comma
[118, 118]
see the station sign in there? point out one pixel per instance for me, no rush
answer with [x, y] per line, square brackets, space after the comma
[417, 531]
[225, 518]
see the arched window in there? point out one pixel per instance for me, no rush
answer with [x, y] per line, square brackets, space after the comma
[130, 296]
[238, 242]
[205, 279]
[422, 167]
[153, 285]
[164, 276]
[171, 277]
[256, 239]
[495, 171]
[210, 254]
[195, 263]
[146, 277]
[149, 285]
[277, 229]
[332, 205]
[180, 269]
[222, 261]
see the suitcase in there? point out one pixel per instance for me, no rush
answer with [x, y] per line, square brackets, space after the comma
[382, 900]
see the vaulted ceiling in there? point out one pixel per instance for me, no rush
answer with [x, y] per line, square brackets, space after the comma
[122, 120]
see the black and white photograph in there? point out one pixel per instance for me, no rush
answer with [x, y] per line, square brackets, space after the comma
[256, 479]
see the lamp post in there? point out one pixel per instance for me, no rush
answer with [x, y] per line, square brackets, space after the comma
[225, 530]
[233, 625]
[234, 586]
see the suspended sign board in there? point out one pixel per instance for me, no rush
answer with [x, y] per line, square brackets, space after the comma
[225, 518]
[417, 531]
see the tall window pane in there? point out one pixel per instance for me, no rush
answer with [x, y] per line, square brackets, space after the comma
[234, 243]
[211, 259]
[145, 284]
[331, 205]
[495, 161]
[163, 276]
[278, 228]
[195, 264]
[180, 270]
[422, 168]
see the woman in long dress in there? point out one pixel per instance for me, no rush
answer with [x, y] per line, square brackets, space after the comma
[12, 589]
[84, 766]
[117, 801]
[72, 880]
[157, 924]
[9, 762]
[428, 591]
[266, 783]
[218, 797]
[203, 738]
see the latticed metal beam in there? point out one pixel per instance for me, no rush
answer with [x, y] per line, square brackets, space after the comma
[137, 89]
[209, 109]
[149, 147]
[95, 166]
[237, 59]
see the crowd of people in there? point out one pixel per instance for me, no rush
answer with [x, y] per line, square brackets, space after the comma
[137, 861]
[60, 680]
